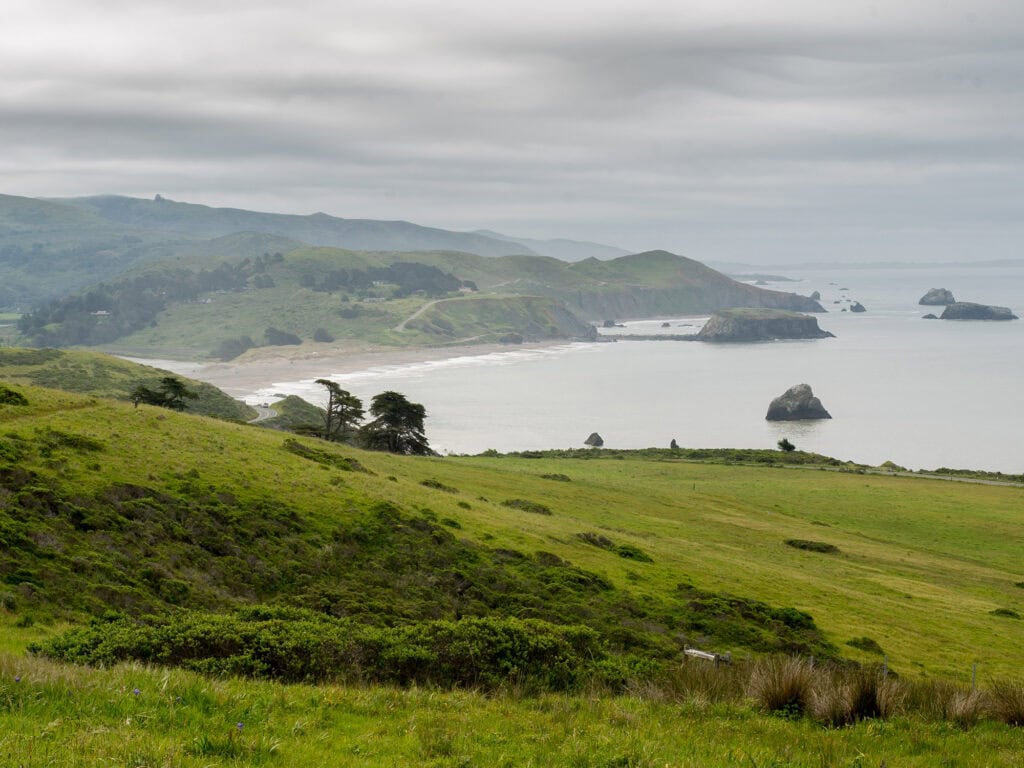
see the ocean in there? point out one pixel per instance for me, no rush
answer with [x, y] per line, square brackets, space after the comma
[924, 394]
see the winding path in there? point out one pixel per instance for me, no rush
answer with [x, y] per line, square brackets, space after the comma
[401, 326]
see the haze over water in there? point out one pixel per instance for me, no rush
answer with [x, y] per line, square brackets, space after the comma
[924, 394]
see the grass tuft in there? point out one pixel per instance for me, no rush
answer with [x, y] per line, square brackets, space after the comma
[783, 685]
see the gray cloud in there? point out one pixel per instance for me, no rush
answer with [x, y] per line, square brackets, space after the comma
[723, 130]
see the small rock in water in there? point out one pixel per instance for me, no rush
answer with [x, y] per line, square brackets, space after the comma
[857, 307]
[937, 297]
[797, 403]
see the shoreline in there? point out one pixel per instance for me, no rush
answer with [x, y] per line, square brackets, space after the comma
[261, 368]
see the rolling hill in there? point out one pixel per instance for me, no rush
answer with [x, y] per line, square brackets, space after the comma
[199, 307]
[640, 547]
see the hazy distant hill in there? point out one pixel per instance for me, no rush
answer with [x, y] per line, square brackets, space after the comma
[201, 221]
[49, 248]
[560, 248]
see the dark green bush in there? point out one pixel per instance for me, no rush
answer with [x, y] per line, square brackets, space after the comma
[9, 396]
[437, 485]
[1007, 613]
[630, 552]
[527, 506]
[295, 645]
[866, 644]
[812, 546]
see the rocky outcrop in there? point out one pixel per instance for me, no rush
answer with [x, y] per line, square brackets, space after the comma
[929, 316]
[857, 307]
[937, 297]
[594, 441]
[797, 403]
[760, 325]
[966, 310]
[816, 296]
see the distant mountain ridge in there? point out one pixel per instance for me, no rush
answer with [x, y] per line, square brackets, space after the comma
[561, 248]
[50, 247]
[203, 221]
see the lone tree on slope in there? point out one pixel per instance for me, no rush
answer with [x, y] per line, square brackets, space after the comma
[343, 414]
[397, 426]
[170, 393]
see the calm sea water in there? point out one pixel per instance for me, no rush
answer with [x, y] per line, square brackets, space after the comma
[925, 394]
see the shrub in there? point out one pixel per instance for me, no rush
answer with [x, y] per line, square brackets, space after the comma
[438, 486]
[559, 477]
[323, 336]
[279, 338]
[229, 349]
[812, 546]
[595, 539]
[1006, 613]
[630, 552]
[527, 506]
[865, 644]
[296, 645]
[11, 397]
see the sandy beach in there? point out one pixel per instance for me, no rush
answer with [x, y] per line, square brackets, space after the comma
[260, 368]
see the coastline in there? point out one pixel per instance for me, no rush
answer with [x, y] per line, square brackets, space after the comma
[262, 368]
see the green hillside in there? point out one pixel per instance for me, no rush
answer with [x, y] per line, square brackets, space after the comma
[195, 306]
[225, 548]
[635, 547]
[101, 375]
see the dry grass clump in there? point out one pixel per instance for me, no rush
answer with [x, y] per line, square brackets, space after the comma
[941, 700]
[847, 696]
[783, 685]
[1006, 702]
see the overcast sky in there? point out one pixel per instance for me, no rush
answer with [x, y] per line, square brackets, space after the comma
[750, 131]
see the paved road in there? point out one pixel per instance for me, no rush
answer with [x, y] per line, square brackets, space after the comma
[263, 413]
[401, 326]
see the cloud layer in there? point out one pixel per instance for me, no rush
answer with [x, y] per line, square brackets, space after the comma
[723, 130]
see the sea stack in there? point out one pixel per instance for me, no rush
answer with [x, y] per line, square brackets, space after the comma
[937, 297]
[594, 441]
[760, 325]
[966, 310]
[795, 404]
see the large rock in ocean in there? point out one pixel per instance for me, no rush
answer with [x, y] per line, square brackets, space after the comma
[937, 297]
[797, 403]
[594, 441]
[966, 310]
[743, 324]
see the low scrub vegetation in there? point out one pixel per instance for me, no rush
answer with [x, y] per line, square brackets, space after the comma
[292, 646]
[527, 506]
[812, 546]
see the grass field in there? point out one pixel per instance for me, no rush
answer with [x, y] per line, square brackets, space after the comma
[137, 716]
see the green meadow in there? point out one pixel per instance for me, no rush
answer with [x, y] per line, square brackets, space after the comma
[112, 510]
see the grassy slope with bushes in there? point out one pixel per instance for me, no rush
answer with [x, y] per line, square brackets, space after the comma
[237, 515]
[96, 512]
[105, 376]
